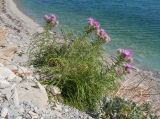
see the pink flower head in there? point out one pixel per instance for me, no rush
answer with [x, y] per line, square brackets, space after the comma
[47, 18]
[128, 67]
[93, 23]
[51, 19]
[103, 35]
[126, 54]
[90, 21]
[96, 24]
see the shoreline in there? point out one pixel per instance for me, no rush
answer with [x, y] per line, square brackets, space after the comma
[28, 22]
[31, 26]
[19, 29]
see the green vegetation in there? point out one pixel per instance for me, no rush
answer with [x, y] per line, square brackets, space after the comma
[118, 108]
[77, 64]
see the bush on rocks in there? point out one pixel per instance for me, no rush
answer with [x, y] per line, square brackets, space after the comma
[76, 63]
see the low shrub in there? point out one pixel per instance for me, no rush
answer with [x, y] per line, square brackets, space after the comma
[76, 64]
[118, 108]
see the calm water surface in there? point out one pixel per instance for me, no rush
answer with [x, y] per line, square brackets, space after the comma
[133, 24]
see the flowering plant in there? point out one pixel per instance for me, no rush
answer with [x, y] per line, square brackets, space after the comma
[51, 19]
[94, 25]
[120, 108]
[125, 56]
[77, 64]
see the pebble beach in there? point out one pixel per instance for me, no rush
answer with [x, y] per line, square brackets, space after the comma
[19, 99]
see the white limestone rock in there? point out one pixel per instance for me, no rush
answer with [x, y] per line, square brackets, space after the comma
[6, 54]
[29, 92]
[6, 74]
[4, 112]
[19, 117]
[4, 84]
[33, 115]
[55, 90]
[16, 99]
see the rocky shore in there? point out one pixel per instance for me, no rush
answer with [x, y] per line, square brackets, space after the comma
[23, 97]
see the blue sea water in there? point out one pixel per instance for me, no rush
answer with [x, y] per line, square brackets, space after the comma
[133, 24]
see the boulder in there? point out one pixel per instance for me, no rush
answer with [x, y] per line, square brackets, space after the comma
[30, 92]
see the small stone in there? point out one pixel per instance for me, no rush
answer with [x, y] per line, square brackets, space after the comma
[43, 115]
[16, 99]
[13, 86]
[19, 117]
[41, 87]
[36, 109]
[66, 110]
[55, 90]
[23, 72]
[58, 107]
[4, 84]
[58, 114]
[7, 93]
[4, 112]
[21, 110]
[1, 65]
[7, 74]
[17, 80]
[33, 115]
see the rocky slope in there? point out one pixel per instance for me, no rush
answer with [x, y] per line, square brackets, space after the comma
[21, 95]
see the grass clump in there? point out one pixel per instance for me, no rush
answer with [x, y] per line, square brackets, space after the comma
[76, 64]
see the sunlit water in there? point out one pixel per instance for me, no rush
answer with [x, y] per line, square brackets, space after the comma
[133, 24]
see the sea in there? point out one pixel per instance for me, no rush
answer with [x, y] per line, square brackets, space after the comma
[132, 24]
